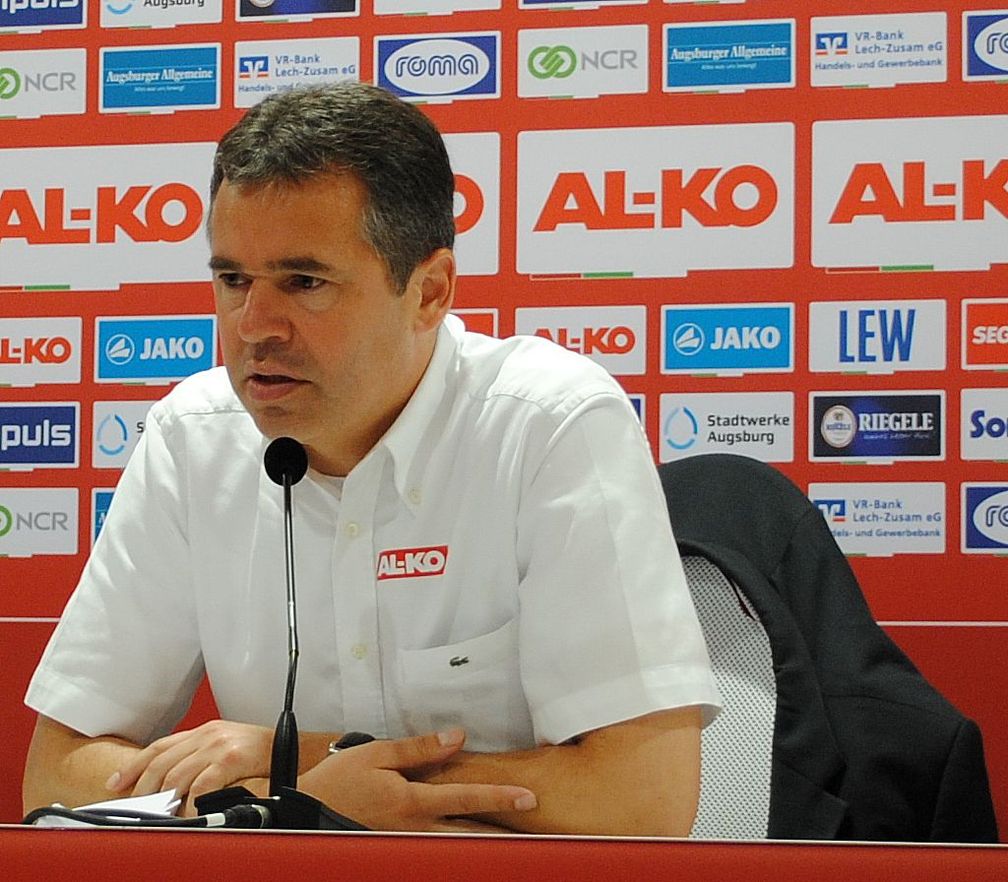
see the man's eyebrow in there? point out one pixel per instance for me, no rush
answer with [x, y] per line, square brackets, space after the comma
[296, 264]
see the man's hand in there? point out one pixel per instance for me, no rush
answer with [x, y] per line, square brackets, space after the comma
[367, 783]
[197, 761]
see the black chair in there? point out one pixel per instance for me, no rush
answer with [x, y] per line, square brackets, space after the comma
[863, 747]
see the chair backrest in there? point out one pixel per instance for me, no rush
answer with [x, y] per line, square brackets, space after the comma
[736, 746]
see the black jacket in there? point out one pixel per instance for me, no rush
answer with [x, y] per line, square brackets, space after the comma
[864, 747]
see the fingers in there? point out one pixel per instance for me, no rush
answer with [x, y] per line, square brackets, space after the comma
[125, 778]
[410, 753]
[448, 800]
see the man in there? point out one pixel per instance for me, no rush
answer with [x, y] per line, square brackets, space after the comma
[483, 554]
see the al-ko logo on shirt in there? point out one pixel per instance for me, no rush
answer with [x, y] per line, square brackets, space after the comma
[39, 435]
[42, 15]
[985, 45]
[984, 424]
[756, 424]
[43, 82]
[118, 426]
[92, 218]
[265, 67]
[875, 336]
[583, 62]
[876, 426]
[154, 349]
[40, 350]
[879, 50]
[656, 201]
[612, 336]
[475, 159]
[160, 78]
[439, 66]
[296, 9]
[985, 518]
[728, 339]
[159, 13]
[911, 193]
[409, 563]
[884, 518]
[38, 521]
[985, 334]
[729, 56]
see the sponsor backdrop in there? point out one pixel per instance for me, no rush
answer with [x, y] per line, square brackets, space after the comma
[782, 226]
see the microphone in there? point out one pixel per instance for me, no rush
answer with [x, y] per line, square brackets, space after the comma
[286, 462]
[287, 808]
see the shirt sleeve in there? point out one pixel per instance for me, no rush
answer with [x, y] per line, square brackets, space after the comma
[125, 658]
[608, 631]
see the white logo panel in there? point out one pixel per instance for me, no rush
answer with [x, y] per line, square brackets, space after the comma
[40, 350]
[118, 426]
[984, 416]
[613, 336]
[38, 521]
[475, 159]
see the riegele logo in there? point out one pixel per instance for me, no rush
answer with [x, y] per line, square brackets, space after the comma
[985, 331]
[593, 341]
[405, 563]
[469, 204]
[169, 212]
[870, 191]
[35, 350]
[741, 196]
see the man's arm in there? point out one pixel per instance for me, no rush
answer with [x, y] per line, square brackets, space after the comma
[636, 778]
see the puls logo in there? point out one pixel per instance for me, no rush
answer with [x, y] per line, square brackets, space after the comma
[39, 435]
[439, 65]
[406, 563]
[42, 13]
[155, 350]
[985, 518]
[728, 338]
[831, 44]
[985, 49]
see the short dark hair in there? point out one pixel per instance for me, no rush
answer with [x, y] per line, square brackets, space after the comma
[392, 147]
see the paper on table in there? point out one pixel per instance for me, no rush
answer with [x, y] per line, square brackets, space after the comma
[164, 804]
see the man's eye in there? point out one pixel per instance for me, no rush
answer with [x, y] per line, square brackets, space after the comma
[232, 280]
[306, 283]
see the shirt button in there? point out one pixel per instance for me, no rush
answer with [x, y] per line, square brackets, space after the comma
[415, 496]
[358, 651]
[352, 529]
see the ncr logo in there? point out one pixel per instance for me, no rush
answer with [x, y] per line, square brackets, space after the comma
[694, 197]
[96, 217]
[408, 563]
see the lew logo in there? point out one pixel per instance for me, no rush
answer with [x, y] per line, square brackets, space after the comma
[405, 563]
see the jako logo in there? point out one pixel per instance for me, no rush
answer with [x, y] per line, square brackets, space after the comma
[154, 349]
[403, 563]
[727, 338]
[462, 65]
[742, 196]
[166, 213]
[121, 349]
[869, 191]
[593, 341]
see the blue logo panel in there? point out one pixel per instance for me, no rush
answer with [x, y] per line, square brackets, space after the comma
[985, 518]
[447, 66]
[38, 435]
[102, 501]
[742, 54]
[728, 338]
[181, 76]
[284, 8]
[42, 14]
[986, 45]
[154, 350]
[877, 426]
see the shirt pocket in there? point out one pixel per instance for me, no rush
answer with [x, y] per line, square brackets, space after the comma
[475, 684]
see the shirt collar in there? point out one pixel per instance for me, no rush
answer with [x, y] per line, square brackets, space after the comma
[403, 438]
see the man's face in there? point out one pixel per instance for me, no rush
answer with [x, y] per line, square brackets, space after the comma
[317, 343]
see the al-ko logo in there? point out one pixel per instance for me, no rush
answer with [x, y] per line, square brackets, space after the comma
[445, 66]
[583, 62]
[877, 426]
[475, 159]
[39, 435]
[984, 424]
[694, 197]
[406, 563]
[43, 82]
[985, 45]
[94, 217]
[877, 336]
[40, 350]
[727, 339]
[612, 336]
[154, 349]
[985, 334]
[926, 193]
[38, 521]
[118, 426]
[42, 14]
[985, 518]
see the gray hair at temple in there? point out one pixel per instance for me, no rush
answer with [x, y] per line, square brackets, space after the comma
[391, 146]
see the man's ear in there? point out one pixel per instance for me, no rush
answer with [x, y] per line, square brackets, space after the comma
[433, 283]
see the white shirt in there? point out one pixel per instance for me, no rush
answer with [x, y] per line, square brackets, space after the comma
[501, 560]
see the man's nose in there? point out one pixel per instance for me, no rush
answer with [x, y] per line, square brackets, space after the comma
[264, 315]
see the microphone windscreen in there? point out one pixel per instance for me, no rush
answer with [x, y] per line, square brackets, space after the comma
[285, 456]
